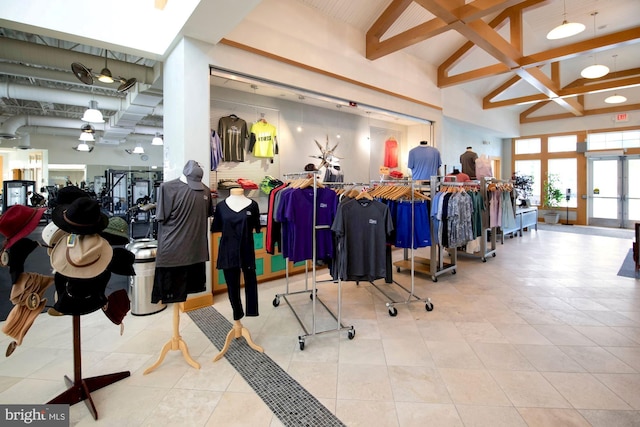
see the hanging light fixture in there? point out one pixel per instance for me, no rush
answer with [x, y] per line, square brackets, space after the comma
[566, 29]
[105, 75]
[138, 149]
[83, 146]
[596, 70]
[85, 136]
[87, 128]
[157, 140]
[615, 98]
[93, 115]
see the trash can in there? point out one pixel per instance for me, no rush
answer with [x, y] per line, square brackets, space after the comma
[141, 285]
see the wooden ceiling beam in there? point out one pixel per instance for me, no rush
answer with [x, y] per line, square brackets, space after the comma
[387, 18]
[618, 74]
[537, 98]
[377, 49]
[595, 111]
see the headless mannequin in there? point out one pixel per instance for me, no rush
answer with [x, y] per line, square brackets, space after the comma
[236, 202]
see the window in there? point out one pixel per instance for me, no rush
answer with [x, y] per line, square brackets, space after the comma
[567, 171]
[612, 140]
[558, 144]
[528, 146]
[531, 167]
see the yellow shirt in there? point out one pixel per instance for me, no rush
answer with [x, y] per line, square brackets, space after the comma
[265, 139]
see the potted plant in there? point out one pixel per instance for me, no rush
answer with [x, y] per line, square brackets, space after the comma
[552, 197]
[524, 188]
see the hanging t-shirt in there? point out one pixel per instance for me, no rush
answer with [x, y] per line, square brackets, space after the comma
[391, 153]
[265, 139]
[233, 134]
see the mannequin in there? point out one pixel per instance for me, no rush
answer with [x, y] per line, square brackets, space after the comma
[237, 217]
[183, 208]
[424, 161]
[468, 160]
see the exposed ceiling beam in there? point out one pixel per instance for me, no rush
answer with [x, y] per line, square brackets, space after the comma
[595, 111]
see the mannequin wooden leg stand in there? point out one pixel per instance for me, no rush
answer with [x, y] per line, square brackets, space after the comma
[80, 388]
[175, 343]
[236, 332]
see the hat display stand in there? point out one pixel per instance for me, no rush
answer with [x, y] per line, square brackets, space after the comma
[175, 343]
[79, 389]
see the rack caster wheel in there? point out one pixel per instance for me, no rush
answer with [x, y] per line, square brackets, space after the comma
[398, 270]
[434, 278]
[428, 306]
[453, 272]
[276, 302]
[484, 259]
[351, 334]
[301, 341]
[393, 312]
[493, 254]
[311, 294]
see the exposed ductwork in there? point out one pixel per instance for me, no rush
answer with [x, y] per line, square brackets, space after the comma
[9, 129]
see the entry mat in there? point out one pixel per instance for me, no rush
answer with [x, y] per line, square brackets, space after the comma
[628, 268]
[288, 400]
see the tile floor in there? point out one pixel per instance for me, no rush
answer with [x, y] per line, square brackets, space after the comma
[544, 334]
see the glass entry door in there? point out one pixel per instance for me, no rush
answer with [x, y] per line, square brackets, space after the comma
[613, 202]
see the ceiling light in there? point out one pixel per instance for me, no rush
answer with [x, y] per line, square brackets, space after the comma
[138, 149]
[93, 115]
[83, 147]
[86, 76]
[84, 136]
[596, 70]
[87, 128]
[615, 99]
[157, 140]
[566, 29]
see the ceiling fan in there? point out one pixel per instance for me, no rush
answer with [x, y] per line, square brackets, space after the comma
[86, 76]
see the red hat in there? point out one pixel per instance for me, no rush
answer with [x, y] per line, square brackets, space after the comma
[19, 221]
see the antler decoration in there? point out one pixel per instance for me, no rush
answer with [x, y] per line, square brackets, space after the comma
[327, 156]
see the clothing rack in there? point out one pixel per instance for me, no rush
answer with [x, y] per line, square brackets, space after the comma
[411, 297]
[313, 295]
[435, 264]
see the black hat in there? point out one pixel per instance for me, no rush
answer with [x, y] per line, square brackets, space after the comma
[122, 262]
[82, 217]
[68, 194]
[18, 254]
[80, 296]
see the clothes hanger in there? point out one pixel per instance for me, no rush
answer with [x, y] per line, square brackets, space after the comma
[364, 195]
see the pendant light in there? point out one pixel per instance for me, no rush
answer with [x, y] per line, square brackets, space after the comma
[615, 98]
[85, 136]
[83, 146]
[596, 70]
[138, 149]
[93, 115]
[105, 75]
[157, 140]
[566, 29]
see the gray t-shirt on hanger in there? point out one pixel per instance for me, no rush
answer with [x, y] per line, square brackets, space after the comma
[182, 224]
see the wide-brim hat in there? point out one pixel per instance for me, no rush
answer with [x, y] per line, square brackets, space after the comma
[19, 321]
[81, 257]
[19, 221]
[117, 231]
[18, 254]
[80, 296]
[122, 262]
[82, 216]
[117, 307]
[68, 194]
[193, 172]
[51, 235]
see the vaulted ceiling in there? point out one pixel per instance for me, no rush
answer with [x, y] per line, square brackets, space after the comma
[494, 49]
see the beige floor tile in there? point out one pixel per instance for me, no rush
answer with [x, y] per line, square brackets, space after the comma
[629, 332]
[407, 352]
[490, 416]
[362, 351]
[421, 414]
[357, 413]
[549, 358]
[473, 387]
[626, 386]
[364, 382]
[320, 379]
[184, 407]
[232, 410]
[417, 384]
[584, 391]
[480, 332]
[600, 418]
[440, 330]
[545, 417]
[521, 334]
[597, 360]
[563, 335]
[453, 355]
[605, 336]
[529, 389]
[501, 356]
[629, 355]
[612, 318]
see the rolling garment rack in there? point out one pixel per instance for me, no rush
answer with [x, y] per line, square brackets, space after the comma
[488, 233]
[434, 265]
[411, 193]
[314, 281]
